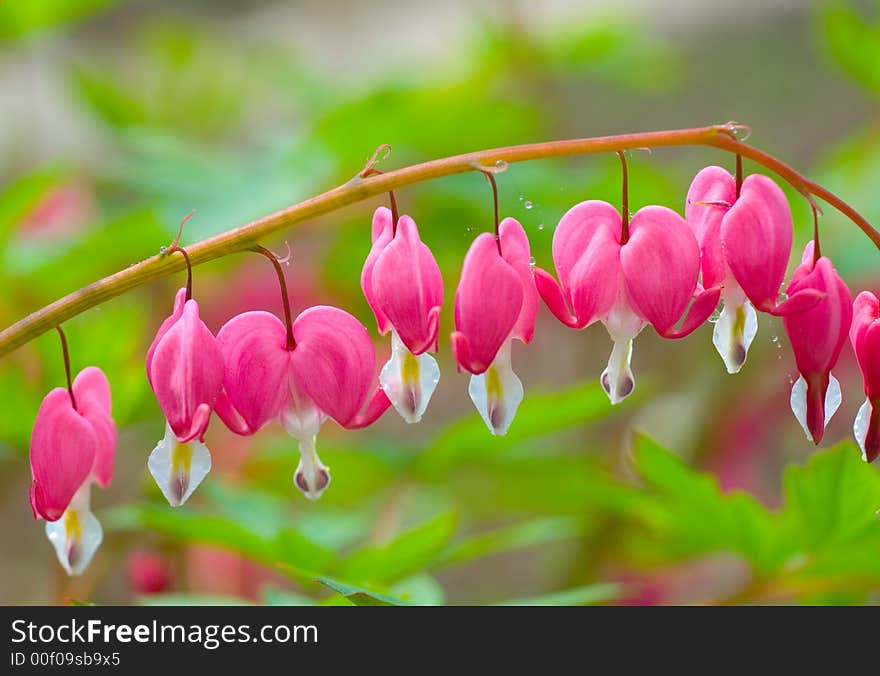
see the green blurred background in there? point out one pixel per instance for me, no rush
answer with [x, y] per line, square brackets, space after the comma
[119, 117]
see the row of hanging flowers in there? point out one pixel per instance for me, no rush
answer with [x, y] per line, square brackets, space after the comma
[654, 268]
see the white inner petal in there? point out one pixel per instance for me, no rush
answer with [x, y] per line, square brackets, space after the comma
[617, 379]
[300, 417]
[497, 392]
[77, 535]
[860, 426]
[734, 332]
[833, 397]
[799, 402]
[178, 468]
[311, 477]
[409, 381]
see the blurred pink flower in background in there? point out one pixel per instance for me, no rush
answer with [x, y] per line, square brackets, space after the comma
[149, 572]
[63, 211]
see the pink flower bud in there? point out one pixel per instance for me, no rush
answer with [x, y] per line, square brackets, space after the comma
[817, 335]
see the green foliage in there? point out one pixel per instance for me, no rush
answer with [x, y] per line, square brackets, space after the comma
[20, 19]
[853, 42]
[198, 115]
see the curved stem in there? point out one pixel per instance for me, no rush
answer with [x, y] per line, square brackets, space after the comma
[491, 178]
[174, 248]
[395, 212]
[817, 251]
[358, 189]
[624, 200]
[288, 322]
[739, 174]
[66, 364]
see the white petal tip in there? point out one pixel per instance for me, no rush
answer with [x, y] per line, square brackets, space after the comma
[312, 484]
[409, 381]
[311, 476]
[497, 393]
[798, 401]
[617, 379]
[178, 468]
[733, 334]
[77, 535]
[860, 427]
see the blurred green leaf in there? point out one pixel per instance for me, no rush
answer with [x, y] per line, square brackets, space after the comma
[517, 536]
[833, 499]
[295, 554]
[419, 590]
[579, 596]
[853, 42]
[359, 596]
[697, 517]
[191, 600]
[540, 413]
[18, 19]
[406, 554]
[273, 596]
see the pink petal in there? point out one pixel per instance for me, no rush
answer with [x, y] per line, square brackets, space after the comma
[710, 196]
[92, 392]
[586, 252]
[376, 406]
[868, 353]
[516, 251]
[701, 309]
[866, 311]
[488, 304]
[187, 372]
[176, 313]
[62, 453]
[382, 233]
[660, 265]
[818, 335]
[551, 294]
[407, 288]
[334, 361]
[756, 235]
[257, 367]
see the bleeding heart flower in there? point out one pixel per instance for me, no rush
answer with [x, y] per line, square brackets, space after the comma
[745, 245]
[72, 446]
[402, 283]
[327, 371]
[185, 370]
[496, 301]
[817, 335]
[648, 279]
[865, 338]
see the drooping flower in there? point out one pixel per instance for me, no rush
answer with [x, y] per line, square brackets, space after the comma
[327, 371]
[865, 338]
[817, 335]
[745, 245]
[648, 278]
[496, 301]
[72, 446]
[185, 370]
[402, 283]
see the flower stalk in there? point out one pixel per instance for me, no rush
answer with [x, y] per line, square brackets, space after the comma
[722, 137]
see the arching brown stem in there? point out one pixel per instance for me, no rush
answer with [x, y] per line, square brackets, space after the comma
[358, 189]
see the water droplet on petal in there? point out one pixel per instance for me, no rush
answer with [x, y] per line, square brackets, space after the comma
[532, 261]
